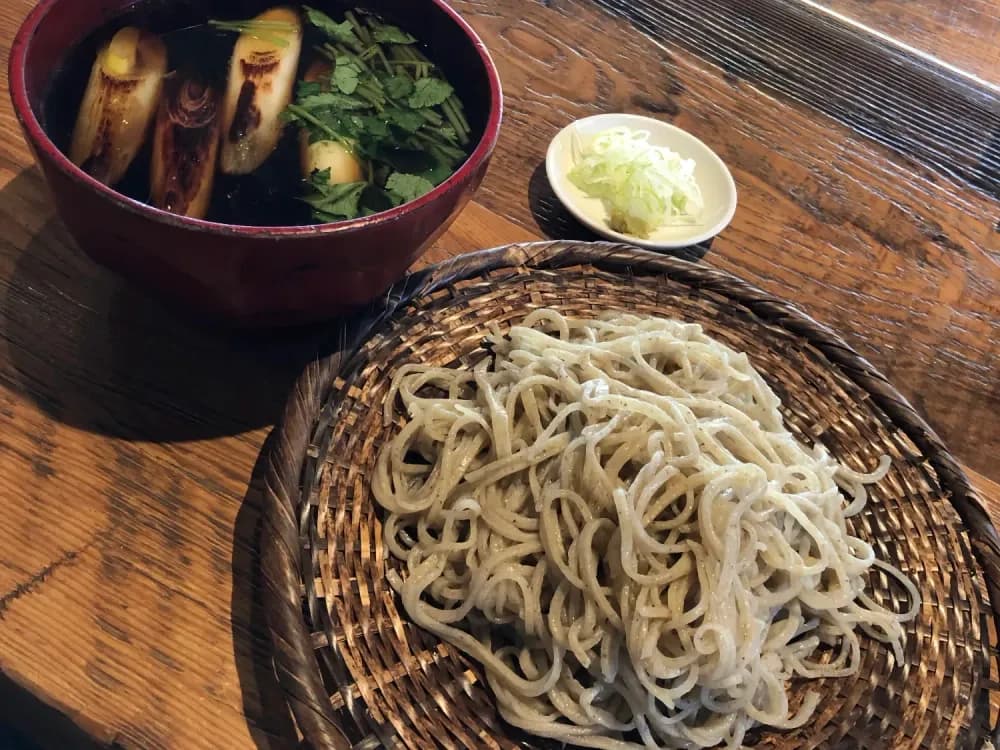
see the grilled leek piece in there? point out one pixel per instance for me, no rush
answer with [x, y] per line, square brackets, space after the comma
[185, 147]
[119, 104]
[261, 82]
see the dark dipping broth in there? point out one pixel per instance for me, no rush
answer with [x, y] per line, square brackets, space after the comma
[272, 195]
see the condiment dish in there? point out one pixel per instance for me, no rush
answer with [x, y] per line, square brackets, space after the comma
[717, 186]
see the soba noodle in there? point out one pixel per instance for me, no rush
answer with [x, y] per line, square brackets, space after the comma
[611, 517]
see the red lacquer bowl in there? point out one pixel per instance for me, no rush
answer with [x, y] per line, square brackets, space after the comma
[252, 275]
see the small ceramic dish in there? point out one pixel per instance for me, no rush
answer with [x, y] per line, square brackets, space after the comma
[713, 177]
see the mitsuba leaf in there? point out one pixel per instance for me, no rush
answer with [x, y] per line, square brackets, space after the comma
[397, 87]
[332, 100]
[438, 173]
[374, 127]
[346, 75]
[390, 121]
[430, 92]
[404, 188]
[406, 160]
[386, 34]
[308, 88]
[404, 119]
[338, 32]
[339, 200]
[320, 178]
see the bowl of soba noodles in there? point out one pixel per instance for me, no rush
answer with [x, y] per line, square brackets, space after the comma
[264, 164]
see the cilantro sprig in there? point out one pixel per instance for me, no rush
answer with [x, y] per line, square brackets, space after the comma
[342, 33]
[430, 92]
[389, 104]
[334, 202]
[404, 188]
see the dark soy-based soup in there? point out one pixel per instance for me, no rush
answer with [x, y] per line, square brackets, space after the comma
[252, 114]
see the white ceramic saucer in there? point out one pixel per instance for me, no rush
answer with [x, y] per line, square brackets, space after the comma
[716, 183]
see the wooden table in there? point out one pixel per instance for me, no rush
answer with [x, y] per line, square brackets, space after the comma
[129, 439]
[961, 33]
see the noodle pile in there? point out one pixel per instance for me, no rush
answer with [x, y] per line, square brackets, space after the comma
[611, 517]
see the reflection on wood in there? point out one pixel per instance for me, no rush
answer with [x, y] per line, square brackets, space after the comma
[963, 33]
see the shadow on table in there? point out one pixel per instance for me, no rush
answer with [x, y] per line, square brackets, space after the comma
[264, 705]
[97, 353]
[557, 223]
[10, 739]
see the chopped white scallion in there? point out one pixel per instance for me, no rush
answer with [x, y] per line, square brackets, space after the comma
[643, 186]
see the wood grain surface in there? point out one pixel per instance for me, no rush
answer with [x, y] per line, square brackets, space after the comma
[130, 437]
[963, 33]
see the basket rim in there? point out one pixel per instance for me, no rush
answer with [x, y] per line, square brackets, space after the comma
[285, 579]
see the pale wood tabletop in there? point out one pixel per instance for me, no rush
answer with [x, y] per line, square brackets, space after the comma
[130, 437]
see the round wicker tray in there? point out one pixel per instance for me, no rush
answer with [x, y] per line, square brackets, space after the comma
[358, 674]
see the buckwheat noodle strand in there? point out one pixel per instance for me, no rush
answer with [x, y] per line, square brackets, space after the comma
[611, 517]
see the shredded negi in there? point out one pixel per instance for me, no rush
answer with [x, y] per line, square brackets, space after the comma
[643, 186]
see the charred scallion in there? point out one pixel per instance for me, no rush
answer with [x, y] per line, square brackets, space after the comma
[119, 104]
[185, 147]
[261, 82]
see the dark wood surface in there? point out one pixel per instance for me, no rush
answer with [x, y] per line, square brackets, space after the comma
[961, 33]
[130, 437]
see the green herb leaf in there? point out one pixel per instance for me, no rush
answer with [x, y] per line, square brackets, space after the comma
[339, 32]
[374, 127]
[346, 75]
[407, 132]
[397, 87]
[429, 92]
[404, 188]
[308, 88]
[339, 200]
[402, 159]
[320, 178]
[332, 100]
[295, 113]
[440, 172]
[404, 119]
[385, 34]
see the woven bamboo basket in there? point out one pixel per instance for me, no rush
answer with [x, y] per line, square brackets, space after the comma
[358, 675]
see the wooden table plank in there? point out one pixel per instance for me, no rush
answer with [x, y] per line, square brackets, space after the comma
[963, 33]
[128, 615]
[989, 491]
